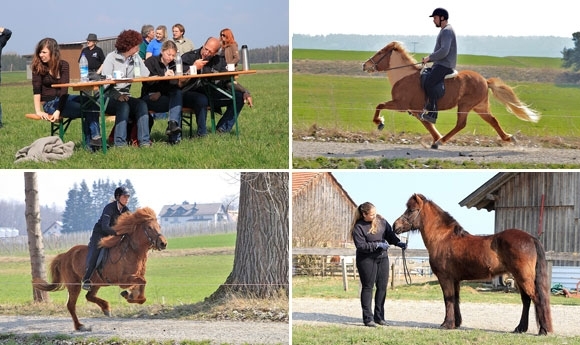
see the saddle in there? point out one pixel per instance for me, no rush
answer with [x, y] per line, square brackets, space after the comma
[439, 87]
[103, 255]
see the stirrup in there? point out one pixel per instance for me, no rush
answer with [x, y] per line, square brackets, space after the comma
[86, 285]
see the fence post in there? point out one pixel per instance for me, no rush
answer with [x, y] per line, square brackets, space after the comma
[344, 277]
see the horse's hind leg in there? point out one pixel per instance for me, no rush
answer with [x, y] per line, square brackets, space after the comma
[73, 295]
[104, 305]
[524, 320]
[459, 125]
[484, 111]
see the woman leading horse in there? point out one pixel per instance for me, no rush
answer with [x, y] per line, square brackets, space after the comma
[456, 255]
[124, 265]
[467, 91]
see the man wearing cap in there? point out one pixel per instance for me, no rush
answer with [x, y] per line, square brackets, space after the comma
[94, 55]
[444, 59]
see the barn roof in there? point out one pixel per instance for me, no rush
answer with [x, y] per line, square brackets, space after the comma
[301, 180]
[485, 196]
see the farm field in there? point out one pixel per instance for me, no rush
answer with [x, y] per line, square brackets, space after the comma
[333, 100]
[263, 132]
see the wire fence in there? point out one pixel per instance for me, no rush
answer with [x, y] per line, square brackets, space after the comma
[13, 246]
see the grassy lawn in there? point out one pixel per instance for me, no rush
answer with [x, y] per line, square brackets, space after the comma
[263, 132]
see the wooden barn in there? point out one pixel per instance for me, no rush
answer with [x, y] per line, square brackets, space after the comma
[544, 204]
[322, 211]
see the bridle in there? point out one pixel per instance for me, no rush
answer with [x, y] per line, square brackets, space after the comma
[152, 242]
[375, 64]
[406, 219]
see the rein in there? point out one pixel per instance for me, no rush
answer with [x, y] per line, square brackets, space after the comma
[406, 272]
[403, 66]
[375, 64]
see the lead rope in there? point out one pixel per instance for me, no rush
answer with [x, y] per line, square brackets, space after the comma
[406, 272]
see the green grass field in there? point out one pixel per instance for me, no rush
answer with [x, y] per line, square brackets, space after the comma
[263, 132]
[347, 103]
[172, 280]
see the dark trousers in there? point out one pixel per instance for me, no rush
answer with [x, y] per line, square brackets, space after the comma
[438, 73]
[91, 260]
[373, 272]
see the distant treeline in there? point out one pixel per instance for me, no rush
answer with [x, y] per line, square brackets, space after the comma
[272, 54]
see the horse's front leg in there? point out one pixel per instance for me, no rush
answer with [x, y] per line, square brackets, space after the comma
[135, 290]
[458, 318]
[449, 298]
[92, 297]
[390, 105]
[459, 125]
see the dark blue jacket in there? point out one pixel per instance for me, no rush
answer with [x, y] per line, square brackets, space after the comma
[103, 227]
[4, 37]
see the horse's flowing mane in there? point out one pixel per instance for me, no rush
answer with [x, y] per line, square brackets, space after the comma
[448, 219]
[127, 223]
[398, 46]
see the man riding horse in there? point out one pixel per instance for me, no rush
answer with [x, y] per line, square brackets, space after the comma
[103, 228]
[444, 59]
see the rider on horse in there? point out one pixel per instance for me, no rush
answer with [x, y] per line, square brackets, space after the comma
[444, 60]
[103, 228]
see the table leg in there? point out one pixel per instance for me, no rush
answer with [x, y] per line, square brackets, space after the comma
[102, 107]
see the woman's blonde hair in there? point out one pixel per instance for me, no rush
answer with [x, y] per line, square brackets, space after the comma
[359, 213]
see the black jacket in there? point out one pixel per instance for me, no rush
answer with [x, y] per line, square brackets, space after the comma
[157, 68]
[366, 243]
[103, 227]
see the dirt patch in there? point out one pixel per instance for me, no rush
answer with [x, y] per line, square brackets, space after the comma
[429, 314]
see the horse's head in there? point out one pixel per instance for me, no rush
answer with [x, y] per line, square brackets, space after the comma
[381, 61]
[411, 218]
[143, 228]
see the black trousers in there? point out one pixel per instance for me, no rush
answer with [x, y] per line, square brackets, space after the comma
[373, 272]
[438, 73]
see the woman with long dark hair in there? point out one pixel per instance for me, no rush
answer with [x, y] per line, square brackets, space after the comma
[372, 235]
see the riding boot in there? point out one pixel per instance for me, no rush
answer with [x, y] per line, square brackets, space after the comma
[430, 112]
[91, 262]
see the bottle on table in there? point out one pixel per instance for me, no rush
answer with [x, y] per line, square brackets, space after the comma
[178, 64]
[245, 61]
[84, 68]
[136, 66]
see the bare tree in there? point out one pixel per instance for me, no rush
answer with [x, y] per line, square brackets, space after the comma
[35, 245]
[261, 256]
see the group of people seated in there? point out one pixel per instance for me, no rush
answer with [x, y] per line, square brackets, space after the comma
[156, 96]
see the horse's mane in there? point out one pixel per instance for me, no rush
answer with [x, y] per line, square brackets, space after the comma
[400, 47]
[448, 219]
[127, 223]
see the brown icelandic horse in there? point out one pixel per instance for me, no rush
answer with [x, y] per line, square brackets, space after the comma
[456, 255]
[124, 266]
[467, 91]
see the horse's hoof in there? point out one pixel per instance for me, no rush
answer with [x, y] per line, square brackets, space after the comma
[124, 294]
[84, 328]
[381, 126]
[436, 144]
[107, 313]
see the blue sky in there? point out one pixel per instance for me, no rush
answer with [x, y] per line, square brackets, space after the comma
[154, 188]
[256, 23]
[389, 191]
[490, 17]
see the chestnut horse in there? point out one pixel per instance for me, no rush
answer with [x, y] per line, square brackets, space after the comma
[467, 91]
[456, 255]
[124, 266]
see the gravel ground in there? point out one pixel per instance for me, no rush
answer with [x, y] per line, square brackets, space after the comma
[458, 154]
[218, 332]
[430, 314]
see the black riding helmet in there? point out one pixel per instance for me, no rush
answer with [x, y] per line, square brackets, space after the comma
[440, 12]
[121, 191]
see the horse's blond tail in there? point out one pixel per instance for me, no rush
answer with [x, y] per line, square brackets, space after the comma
[507, 97]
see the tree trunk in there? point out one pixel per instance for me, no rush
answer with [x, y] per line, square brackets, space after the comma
[261, 255]
[35, 245]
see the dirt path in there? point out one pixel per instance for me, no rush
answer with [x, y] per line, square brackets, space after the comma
[430, 314]
[458, 154]
[218, 332]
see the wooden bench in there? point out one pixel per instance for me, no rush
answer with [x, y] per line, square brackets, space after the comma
[187, 118]
[60, 126]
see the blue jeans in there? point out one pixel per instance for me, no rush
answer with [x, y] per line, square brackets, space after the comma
[226, 123]
[136, 109]
[174, 102]
[197, 100]
[72, 109]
